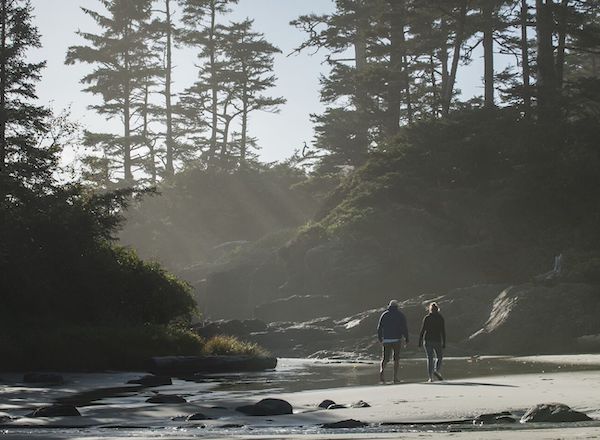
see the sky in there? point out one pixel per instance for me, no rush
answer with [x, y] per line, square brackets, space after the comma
[298, 75]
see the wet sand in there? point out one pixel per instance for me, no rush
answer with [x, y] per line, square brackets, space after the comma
[407, 410]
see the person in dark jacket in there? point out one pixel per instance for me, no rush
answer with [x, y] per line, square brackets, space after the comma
[433, 337]
[391, 329]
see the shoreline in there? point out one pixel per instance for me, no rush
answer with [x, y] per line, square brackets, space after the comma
[414, 409]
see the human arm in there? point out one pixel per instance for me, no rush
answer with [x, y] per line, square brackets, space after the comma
[443, 333]
[380, 328]
[422, 333]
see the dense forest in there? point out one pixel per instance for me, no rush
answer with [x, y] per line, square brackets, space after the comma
[407, 186]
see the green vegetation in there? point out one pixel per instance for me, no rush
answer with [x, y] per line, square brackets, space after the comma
[97, 348]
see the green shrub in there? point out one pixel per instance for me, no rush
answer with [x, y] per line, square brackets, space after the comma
[230, 345]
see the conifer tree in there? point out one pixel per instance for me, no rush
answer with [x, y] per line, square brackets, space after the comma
[120, 58]
[23, 161]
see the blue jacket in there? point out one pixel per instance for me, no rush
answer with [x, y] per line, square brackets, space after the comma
[392, 325]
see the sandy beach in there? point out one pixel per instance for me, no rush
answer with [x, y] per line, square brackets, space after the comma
[409, 410]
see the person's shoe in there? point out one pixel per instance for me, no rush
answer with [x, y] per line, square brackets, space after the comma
[438, 375]
[381, 378]
[396, 380]
[430, 380]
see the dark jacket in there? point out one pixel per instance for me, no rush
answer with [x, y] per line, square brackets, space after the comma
[392, 325]
[433, 329]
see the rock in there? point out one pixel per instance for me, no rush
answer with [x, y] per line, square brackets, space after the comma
[189, 365]
[494, 418]
[336, 406]
[360, 404]
[56, 411]
[326, 403]
[350, 423]
[197, 416]
[518, 310]
[166, 398]
[151, 380]
[553, 412]
[45, 378]
[267, 407]
[230, 426]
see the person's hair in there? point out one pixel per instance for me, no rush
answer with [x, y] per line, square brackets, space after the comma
[393, 304]
[433, 307]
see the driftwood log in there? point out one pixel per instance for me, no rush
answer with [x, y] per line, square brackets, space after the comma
[190, 365]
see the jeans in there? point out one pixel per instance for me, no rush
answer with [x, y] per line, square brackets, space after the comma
[430, 349]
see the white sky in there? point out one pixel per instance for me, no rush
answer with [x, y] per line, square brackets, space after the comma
[278, 134]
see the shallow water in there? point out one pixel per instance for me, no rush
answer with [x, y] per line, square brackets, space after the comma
[291, 375]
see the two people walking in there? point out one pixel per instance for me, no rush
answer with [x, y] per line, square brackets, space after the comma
[392, 332]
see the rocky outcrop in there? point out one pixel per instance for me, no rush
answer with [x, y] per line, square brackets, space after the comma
[267, 407]
[533, 319]
[300, 308]
[554, 413]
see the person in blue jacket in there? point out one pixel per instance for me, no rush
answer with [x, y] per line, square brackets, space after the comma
[392, 328]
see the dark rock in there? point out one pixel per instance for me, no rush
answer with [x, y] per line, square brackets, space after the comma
[553, 412]
[189, 365]
[336, 406]
[360, 404]
[326, 403]
[350, 423]
[151, 380]
[494, 418]
[267, 407]
[231, 426]
[166, 398]
[198, 416]
[518, 310]
[56, 411]
[45, 378]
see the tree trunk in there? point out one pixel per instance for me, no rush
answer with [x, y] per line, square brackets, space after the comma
[526, 69]
[562, 39]
[213, 83]
[434, 87]
[3, 61]
[547, 84]
[488, 52]
[169, 165]
[127, 174]
[444, 68]
[396, 71]
[409, 108]
[145, 134]
[458, 42]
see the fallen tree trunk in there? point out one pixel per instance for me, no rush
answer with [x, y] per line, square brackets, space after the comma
[189, 365]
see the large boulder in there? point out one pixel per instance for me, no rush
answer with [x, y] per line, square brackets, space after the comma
[553, 413]
[267, 407]
[531, 318]
[56, 411]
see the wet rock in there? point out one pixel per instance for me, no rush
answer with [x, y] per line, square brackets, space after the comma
[267, 407]
[336, 406]
[494, 418]
[197, 416]
[326, 403]
[553, 412]
[231, 426]
[45, 378]
[349, 424]
[166, 398]
[151, 380]
[360, 404]
[56, 411]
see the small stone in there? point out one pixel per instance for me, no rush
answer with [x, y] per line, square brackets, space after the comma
[56, 411]
[326, 403]
[166, 398]
[360, 404]
[198, 416]
[336, 406]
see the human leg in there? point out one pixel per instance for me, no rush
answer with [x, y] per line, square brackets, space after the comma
[439, 356]
[385, 357]
[396, 348]
[430, 364]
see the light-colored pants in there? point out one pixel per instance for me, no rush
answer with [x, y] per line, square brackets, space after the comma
[430, 349]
